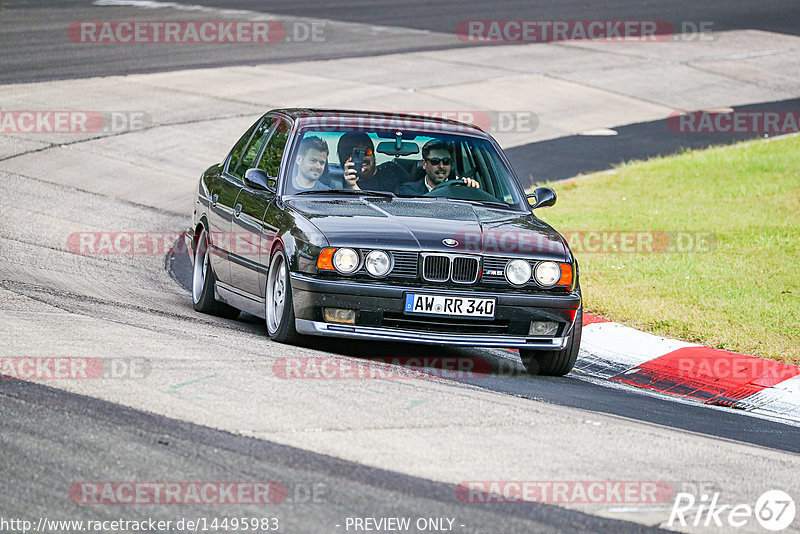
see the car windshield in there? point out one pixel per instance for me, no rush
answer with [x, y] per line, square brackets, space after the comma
[408, 164]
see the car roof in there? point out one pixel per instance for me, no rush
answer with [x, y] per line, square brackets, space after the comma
[378, 120]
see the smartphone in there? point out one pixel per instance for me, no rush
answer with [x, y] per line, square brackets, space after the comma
[358, 159]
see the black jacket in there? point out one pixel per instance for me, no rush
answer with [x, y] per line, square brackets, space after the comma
[413, 188]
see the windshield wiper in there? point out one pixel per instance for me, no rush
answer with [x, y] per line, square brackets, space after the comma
[496, 204]
[360, 192]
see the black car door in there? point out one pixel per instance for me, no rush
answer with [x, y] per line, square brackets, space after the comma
[223, 188]
[251, 261]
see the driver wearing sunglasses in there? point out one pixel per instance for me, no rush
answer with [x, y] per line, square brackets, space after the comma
[437, 162]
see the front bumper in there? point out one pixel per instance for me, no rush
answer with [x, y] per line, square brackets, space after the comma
[318, 328]
[380, 315]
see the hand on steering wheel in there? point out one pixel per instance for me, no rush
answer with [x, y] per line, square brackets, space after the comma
[447, 184]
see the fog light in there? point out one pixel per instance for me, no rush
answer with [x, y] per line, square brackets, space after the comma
[543, 328]
[339, 315]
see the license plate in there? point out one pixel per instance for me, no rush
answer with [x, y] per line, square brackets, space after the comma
[446, 305]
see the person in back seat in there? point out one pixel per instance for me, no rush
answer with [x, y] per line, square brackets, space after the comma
[384, 177]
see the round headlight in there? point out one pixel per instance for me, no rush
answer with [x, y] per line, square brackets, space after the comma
[518, 272]
[548, 273]
[345, 260]
[378, 263]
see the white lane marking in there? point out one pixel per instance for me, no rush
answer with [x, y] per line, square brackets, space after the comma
[152, 4]
[599, 132]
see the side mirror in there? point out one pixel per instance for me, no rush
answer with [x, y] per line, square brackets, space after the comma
[543, 197]
[259, 179]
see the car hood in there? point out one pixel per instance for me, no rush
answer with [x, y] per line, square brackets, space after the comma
[426, 225]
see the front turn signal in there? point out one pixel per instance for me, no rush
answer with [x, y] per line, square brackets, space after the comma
[566, 275]
[325, 259]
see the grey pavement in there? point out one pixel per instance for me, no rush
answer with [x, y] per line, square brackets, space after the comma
[220, 374]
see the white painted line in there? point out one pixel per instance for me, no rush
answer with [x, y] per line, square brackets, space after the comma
[600, 132]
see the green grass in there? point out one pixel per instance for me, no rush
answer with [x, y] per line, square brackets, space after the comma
[744, 294]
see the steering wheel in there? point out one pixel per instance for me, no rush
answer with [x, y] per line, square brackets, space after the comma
[471, 173]
[447, 185]
[459, 190]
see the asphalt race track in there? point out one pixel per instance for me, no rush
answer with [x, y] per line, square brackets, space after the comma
[200, 399]
[34, 47]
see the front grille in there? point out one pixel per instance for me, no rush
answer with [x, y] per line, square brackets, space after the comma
[493, 269]
[405, 264]
[436, 268]
[465, 269]
[450, 267]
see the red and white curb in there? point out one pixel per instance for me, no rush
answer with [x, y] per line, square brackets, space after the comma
[711, 376]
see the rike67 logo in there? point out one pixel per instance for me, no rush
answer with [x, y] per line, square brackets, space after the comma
[774, 510]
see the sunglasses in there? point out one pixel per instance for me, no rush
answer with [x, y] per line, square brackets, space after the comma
[436, 161]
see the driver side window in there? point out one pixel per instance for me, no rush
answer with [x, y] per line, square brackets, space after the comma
[238, 148]
[273, 153]
[249, 156]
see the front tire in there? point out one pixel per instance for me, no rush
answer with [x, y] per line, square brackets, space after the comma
[279, 308]
[203, 281]
[555, 362]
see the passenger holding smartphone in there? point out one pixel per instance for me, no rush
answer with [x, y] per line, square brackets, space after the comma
[370, 177]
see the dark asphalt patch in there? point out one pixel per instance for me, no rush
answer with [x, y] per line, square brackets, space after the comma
[566, 157]
[54, 440]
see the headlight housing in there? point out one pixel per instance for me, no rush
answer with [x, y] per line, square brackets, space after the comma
[518, 272]
[378, 263]
[346, 260]
[547, 273]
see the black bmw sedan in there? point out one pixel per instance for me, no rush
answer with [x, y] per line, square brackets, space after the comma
[386, 227]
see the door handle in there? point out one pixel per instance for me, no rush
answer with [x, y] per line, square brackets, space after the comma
[214, 199]
[237, 209]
